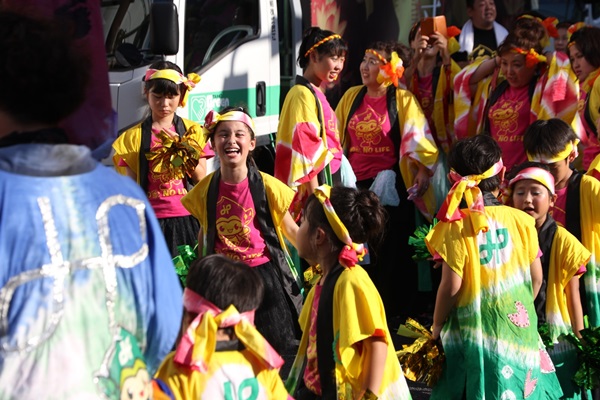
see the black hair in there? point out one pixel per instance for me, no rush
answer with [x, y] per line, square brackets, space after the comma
[223, 282]
[475, 155]
[359, 210]
[165, 86]
[403, 51]
[313, 35]
[211, 134]
[527, 33]
[587, 40]
[564, 25]
[412, 34]
[547, 137]
[44, 78]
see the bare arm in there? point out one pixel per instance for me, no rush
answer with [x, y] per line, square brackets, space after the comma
[446, 298]
[200, 171]
[375, 349]
[290, 228]
[537, 276]
[574, 305]
[485, 69]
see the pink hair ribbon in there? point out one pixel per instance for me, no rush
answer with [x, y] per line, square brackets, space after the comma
[200, 339]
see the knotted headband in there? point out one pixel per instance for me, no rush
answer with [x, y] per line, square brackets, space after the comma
[352, 252]
[466, 187]
[571, 147]
[320, 42]
[539, 175]
[175, 77]
[200, 339]
[213, 118]
[532, 58]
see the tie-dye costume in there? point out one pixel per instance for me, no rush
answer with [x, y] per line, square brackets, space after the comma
[555, 96]
[490, 338]
[416, 140]
[304, 146]
[90, 301]
[357, 315]
[566, 255]
[589, 111]
[441, 119]
[583, 221]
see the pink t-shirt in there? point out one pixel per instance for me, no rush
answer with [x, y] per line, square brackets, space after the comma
[311, 372]
[371, 150]
[509, 118]
[238, 236]
[331, 129]
[558, 212]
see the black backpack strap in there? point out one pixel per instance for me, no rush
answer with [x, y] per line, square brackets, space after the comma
[211, 211]
[355, 104]
[392, 105]
[572, 209]
[325, 336]
[545, 238]
[146, 139]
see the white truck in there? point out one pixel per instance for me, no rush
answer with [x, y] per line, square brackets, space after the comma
[244, 50]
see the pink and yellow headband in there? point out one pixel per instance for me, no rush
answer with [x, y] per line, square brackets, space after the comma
[213, 118]
[532, 58]
[539, 175]
[352, 252]
[574, 28]
[466, 187]
[175, 77]
[390, 72]
[571, 147]
[320, 42]
[198, 343]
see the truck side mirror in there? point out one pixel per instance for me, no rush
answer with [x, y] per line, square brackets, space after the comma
[164, 28]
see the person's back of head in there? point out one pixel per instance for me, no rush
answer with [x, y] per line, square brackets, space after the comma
[527, 33]
[43, 77]
[359, 210]
[475, 155]
[321, 41]
[548, 138]
[226, 282]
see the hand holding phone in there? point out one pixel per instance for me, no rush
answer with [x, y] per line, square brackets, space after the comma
[430, 25]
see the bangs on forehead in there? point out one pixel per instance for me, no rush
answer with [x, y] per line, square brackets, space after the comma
[163, 86]
[336, 47]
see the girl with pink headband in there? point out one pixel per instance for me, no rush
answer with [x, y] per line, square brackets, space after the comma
[243, 214]
[221, 353]
[147, 152]
[491, 273]
[558, 305]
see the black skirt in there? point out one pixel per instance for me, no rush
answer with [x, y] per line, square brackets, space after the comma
[179, 231]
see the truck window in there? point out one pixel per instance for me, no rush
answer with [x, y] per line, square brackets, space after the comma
[126, 24]
[213, 27]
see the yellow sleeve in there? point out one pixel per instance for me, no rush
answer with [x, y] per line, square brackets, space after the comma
[127, 148]
[446, 239]
[195, 201]
[342, 110]
[569, 253]
[280, 197]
